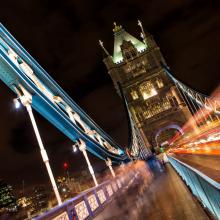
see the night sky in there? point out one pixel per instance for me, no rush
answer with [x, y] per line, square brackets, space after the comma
[63, 37]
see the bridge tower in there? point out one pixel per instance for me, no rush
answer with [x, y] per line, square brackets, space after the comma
[152, 98]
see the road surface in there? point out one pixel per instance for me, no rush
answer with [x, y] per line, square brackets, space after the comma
[166, 198]
[207, 164]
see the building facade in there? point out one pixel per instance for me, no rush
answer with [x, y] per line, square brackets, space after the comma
[7, 199]
[154, 102]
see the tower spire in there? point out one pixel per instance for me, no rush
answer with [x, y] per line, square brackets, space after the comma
[102, 45]
[143, 35]
[117, 28]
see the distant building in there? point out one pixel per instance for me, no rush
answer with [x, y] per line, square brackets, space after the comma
[7, 198]
[71, 186]
[39, 199]
[24, 202]
[63, 187]
[154, 102]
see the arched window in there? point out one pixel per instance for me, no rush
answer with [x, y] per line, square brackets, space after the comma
[147, 90]
[134, 95]
[130, 54]
[127, 55]
[133, 53]
[159, 83]
[128, 50]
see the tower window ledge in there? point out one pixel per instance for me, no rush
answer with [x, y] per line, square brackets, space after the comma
[119, 62]
[141, 51]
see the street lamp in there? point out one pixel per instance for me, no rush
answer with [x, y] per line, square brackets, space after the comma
[75, 148]
[26, 101]
[109, 164]
[17, 104]
[82, 148]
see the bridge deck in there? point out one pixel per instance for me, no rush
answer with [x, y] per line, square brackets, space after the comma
[166, 198]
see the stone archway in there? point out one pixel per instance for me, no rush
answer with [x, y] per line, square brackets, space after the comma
[171, 128]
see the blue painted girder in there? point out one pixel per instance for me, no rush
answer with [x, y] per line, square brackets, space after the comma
[12, 76]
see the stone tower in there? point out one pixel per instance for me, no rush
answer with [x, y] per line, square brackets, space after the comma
[153, 100]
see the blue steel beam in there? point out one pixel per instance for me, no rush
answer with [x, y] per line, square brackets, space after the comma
[13, 76]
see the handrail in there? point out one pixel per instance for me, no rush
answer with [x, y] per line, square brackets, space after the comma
[205, 177]
[205, 189]
[87, 204]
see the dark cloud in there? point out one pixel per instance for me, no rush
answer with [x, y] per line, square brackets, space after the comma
[63, 37]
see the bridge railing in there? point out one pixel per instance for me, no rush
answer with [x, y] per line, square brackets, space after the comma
[204, 188]
[87, 204]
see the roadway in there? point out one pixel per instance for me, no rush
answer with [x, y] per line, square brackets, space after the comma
[207, 164]
[167, 197]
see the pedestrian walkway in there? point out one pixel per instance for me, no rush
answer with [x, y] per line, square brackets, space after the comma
[167, 197]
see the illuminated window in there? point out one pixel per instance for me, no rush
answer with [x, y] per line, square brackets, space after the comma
[148, 113]
[134, 95]
[166, 104]
[147, 90]
[157, 108]
[159, 83]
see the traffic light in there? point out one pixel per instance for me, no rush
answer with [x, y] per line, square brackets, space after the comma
[65, 165]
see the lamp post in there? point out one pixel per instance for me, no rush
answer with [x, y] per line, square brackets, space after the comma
[26, 101]
[82, 148]
[109, 164]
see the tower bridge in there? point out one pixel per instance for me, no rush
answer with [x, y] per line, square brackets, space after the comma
[155, 102]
